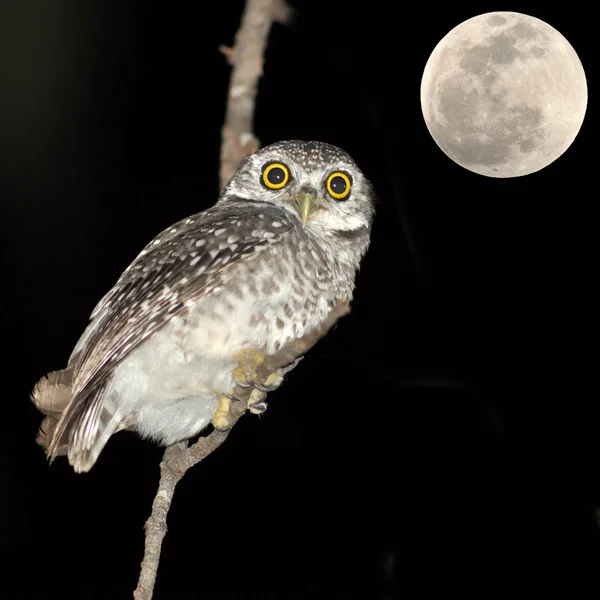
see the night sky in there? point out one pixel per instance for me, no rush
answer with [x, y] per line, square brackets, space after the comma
[444, 438]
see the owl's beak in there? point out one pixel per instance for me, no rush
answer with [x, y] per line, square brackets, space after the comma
[306, 203]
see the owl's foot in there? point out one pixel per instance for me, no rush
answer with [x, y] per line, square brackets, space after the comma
[220, 420]
[246, 374]
[256, 402]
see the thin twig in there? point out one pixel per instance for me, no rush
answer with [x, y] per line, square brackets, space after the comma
[246, 57]
[178, 458]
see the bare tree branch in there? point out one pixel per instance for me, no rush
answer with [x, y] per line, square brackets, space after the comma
[246, 57]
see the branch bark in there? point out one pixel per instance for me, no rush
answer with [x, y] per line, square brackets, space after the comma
[246, 57]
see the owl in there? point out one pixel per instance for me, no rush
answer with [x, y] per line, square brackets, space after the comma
[207, 298]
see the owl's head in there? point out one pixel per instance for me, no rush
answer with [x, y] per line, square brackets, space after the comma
[319, 183]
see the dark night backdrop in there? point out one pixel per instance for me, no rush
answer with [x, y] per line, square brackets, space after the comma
[445, 437]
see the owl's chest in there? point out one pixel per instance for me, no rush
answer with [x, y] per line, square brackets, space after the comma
[265, 303]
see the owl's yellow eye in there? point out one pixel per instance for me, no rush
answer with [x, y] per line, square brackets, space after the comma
[338, 185]
[275, 176]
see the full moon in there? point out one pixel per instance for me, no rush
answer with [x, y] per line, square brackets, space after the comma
[503, 94]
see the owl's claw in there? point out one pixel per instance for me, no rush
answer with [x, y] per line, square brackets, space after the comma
[245, 374]
[256, 405]
[256, 402]
[274, 380]
[249, 360]
[220, 420]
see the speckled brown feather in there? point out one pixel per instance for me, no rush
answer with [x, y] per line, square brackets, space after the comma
[191, 261]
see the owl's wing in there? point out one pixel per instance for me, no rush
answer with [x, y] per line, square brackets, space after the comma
[188, 261]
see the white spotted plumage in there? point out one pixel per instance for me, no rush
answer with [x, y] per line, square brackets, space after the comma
[249, 272]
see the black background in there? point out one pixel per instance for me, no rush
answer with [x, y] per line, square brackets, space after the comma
[444, 438]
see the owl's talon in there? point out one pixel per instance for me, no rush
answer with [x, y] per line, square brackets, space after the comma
[245, 374]
[259, 408]
[272, 382]
[256, 402]
[220, 420]
[249, 360]
[275, 379]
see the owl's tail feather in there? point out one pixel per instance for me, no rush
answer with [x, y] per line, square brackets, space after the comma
[77, 429]
[92, 430]
[51, 395]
